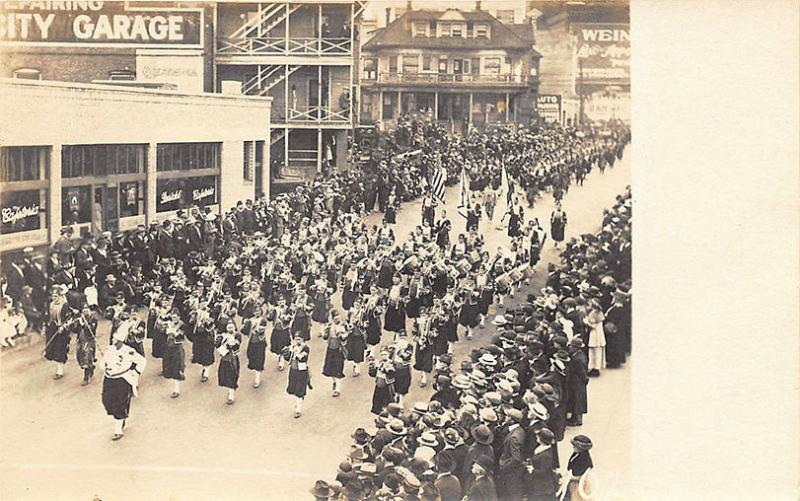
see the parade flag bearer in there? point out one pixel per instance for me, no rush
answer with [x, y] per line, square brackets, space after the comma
[123, 365]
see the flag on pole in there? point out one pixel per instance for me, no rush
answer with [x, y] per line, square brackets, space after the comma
[437, 185]
[463, 186]
[509, 187]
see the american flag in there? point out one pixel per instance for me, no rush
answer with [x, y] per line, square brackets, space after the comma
[437, 184]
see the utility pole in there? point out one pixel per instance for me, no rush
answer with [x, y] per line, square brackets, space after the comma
[580, 90]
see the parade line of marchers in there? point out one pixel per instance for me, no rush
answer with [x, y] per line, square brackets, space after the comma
[491, 428]
[212, 280]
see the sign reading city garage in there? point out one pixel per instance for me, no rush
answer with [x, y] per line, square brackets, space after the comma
[100, 24]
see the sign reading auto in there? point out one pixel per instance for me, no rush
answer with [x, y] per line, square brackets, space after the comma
[98, 24]
[549, 107]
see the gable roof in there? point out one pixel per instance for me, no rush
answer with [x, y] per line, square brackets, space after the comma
[398, 33]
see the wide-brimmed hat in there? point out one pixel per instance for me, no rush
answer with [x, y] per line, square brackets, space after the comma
[515, 414]
[549, 392]
[428, 439]
[451, 436]
[539, 411]
[420, 408]
[482, 434]
[321, 489]
[499, 320]
[488, 415]
[396, 427]
[367, 469]
[493, 398]
[576, 343]
[477, 376]
[505, 386]
[488, 359]
[581, 442]
[394, 409]
[462, 382]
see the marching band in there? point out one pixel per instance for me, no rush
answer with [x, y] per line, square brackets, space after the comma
[282, 276]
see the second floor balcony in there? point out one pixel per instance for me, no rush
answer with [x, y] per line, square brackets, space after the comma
[279, 46]
[447, 79]
[319, 114]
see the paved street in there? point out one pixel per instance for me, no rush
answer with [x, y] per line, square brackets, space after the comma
[196, 447]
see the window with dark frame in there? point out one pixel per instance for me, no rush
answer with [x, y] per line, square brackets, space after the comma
[249, 160]
[85, 160]
[24, 163]
[187, 156]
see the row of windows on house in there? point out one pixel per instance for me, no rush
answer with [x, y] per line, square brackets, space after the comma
[441, 64]
[454, 29]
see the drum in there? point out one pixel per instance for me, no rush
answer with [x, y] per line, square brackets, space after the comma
[504, 281]
[464, 266]
[411, 262]
[474, 257]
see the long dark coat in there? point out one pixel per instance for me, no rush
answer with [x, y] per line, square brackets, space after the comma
[174, 361]
[577, 378]
[543, 480]
[203, 346]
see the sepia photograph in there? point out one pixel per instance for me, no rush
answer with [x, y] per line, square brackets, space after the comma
[316, 249]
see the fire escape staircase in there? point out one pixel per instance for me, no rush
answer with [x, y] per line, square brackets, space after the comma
[266, 78]
[267, 18]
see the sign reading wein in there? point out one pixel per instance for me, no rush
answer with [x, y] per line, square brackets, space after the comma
[604, 49]
[98, 24]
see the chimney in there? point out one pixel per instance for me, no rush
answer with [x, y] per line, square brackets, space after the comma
[408, 5]
[478, 5]
[388, 16]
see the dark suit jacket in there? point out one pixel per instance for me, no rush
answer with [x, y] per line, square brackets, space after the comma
[482, 489]
[166, 245]
[15, 281]
[449, 487]
[511, 457]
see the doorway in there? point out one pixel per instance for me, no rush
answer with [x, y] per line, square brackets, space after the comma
[105, 211]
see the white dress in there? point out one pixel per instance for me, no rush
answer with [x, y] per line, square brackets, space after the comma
[597, 340]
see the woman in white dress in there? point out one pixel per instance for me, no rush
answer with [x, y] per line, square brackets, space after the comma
[597, 338]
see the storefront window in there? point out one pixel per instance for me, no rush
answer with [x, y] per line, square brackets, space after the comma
[249, 160]
[188, 156]
[76, 205]
[24, 163]
[181, 193]
[22, 210]
[103, 159]
[131, 198]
